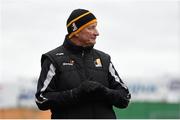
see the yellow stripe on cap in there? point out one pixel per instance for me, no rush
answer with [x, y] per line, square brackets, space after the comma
[77, 18]
[82, 27]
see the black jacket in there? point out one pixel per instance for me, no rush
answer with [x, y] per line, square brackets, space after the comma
[64, 69]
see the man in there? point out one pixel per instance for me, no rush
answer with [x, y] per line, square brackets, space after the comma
[78, 81]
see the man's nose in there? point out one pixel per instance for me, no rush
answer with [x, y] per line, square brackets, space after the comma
[96, 32]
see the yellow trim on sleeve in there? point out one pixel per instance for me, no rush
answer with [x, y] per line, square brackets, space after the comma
[77, 18]
[82, 27]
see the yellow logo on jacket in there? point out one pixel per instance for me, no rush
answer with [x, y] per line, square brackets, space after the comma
[98, 63]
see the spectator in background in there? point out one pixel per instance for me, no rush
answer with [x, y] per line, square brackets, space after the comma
[78, 81]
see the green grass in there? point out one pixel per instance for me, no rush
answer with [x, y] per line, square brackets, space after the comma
[149, 110]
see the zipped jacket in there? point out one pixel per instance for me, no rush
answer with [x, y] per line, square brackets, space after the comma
[64, 69]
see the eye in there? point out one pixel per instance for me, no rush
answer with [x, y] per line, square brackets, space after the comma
[91, 27]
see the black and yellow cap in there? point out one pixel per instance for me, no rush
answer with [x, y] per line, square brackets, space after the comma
[78, 20]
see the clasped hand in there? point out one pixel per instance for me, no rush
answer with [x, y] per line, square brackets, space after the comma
[91, 90]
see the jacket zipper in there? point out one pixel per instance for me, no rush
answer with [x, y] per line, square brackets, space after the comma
[82, 54]
[86, 78]
[84, 65]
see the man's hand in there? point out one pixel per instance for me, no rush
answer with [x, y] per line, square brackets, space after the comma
[90, 90]
[91, 86]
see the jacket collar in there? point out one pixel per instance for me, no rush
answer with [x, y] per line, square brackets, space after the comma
[74, 48]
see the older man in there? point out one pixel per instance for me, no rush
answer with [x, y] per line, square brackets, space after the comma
[78, 81]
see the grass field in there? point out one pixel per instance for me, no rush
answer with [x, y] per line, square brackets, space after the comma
[150, 110]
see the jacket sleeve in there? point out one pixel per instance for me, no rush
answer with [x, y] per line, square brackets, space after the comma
[118, 93]
[47, 95]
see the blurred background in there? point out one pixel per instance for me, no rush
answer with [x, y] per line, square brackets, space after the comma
[142, 37]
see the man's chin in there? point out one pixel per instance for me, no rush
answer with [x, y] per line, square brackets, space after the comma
[93, 42]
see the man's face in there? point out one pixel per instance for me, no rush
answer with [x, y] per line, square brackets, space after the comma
[88, 35]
